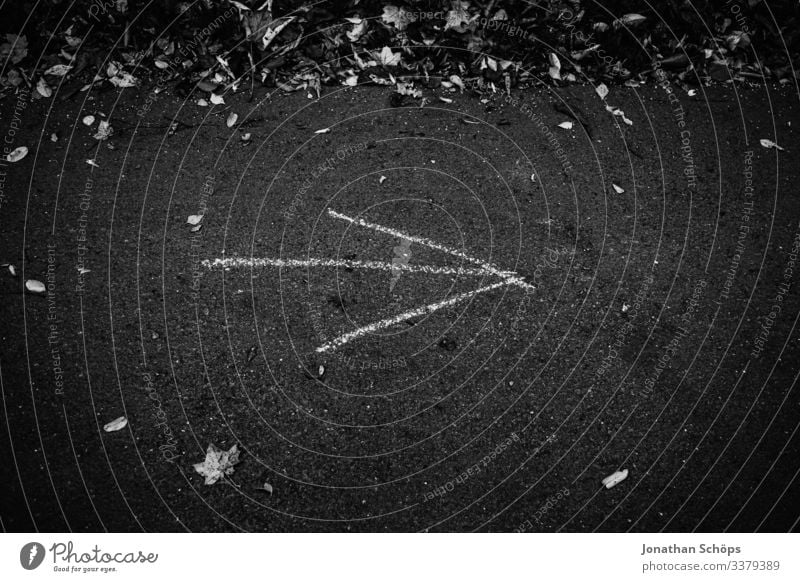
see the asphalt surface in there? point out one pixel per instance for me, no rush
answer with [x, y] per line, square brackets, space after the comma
[660, 339]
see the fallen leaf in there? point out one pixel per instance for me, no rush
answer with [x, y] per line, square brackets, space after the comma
[202, 103]
[601, 90]
[116, 424]
[160, 64]
[266, 487]
[209, 86]
[104, 131]
[231, 121]
[388, 58]
[555, 66]
[43, 88]
[408, 89]
[35, 286]
[246, 137]
[17, 154]
[565, 125]
[88, 120]
[398, 17]
[382, 180]
[457, 16]
[358, 30]
[15, 47]
[618, 113]
[217, 99]
[196, 228]
[12, 270]
[615, 478]
[632, 19]
[54, 137]
[218, 463]
[58, 70]
[769, 144]
[326, 130]
[194, 219]
[123, 80]
[618, 189]
[93, 163]
[274, 30]
[445, 100]
[456, 80]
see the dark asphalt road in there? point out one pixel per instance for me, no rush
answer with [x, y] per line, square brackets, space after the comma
[648, 345]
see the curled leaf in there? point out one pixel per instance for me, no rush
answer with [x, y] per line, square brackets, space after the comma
[43, 88]
[35, 286]
[116, 424]
[769, 144]
[615, 478]
[17, 154]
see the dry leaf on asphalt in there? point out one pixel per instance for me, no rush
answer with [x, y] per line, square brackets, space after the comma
[602, 90]
[104, 131]
[58, 70]
[769, 144]
[615, 478]
[231, 121]
[35, 286]
[17, 154]
[43, 88]
[88, 120]
[116, 424]
[565, 125]
[218, 463]
[326, 130]
[194, 219]
[217, 99]
[618, 189]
